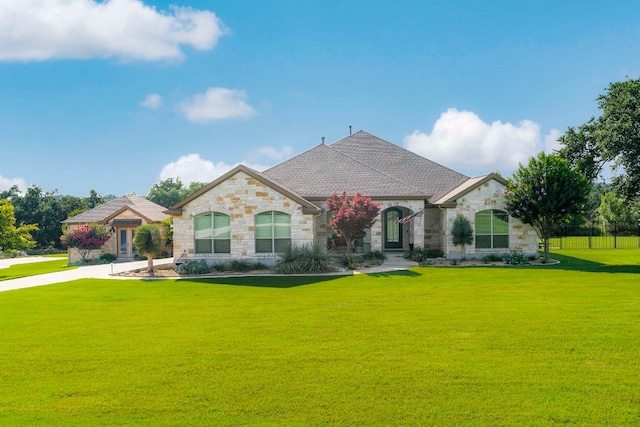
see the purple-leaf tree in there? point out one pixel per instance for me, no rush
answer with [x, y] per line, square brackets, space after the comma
[86, 238]
[351, 215]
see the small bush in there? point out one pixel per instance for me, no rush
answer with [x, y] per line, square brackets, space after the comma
[419, 255]
[193, 266]
[515, 258]
[352, 262]
[259, 266]
[240, 266]
[377, 255]
[107, 258]
[308, 259]
[493, 258]
[220, 266]
[9, 253]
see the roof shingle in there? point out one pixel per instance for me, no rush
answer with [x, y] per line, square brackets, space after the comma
[99, 214]
[363, 162]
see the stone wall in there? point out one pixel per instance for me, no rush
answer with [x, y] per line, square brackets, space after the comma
[522, 237]
[241, 197]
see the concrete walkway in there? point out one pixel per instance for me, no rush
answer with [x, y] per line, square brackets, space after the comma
[102, 271]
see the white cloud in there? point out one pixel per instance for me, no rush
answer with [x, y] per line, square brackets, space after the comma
[272, 153]
[37, 30]
[7, 183]
[153, 101]
[216, 103]
[462, 141]
[192, 168]
[551, 143]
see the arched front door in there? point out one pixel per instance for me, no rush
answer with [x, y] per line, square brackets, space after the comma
[392, 229]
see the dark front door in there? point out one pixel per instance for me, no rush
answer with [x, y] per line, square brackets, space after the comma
[392, 229]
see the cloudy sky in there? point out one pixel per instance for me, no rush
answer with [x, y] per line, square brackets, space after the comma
[116, 95]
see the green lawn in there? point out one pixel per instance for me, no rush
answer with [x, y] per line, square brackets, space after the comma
[34, 268]
[481, 346]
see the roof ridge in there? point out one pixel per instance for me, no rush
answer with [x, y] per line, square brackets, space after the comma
[400, 147]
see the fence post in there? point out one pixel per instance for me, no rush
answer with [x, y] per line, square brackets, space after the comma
[615, 235]
[590, 234]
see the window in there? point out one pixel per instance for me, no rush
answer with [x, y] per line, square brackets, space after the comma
[273, 232]
[492, 229]
[212, 233]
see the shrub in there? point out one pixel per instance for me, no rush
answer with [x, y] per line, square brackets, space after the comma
[220, 266]
[493, 258]
[419, 255]
[352, 262]
[515, 258]
[240, 266]
[107, 258]
[378, 255]
[259, 266]
[309, 259]
[193, 266]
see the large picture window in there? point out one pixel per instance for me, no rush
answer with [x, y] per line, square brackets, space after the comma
[492, 230]
[273, 232]
[212, 233]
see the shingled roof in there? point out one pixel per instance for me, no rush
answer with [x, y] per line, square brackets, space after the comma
[363, 162]
[101, 214]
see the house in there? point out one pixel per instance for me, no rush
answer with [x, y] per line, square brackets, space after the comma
[122, 216]
[254, 215]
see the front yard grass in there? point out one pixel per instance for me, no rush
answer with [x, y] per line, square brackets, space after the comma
[469, 346]
[34, 268]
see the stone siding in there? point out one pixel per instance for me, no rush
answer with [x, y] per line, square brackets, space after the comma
[522, 237]
[241, 197]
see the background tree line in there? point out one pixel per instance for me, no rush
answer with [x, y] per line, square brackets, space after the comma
[42, 212]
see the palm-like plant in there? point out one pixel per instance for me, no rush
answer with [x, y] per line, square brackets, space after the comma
[148, 241]
[462, 233]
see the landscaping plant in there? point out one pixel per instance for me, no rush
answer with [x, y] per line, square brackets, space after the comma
[86, 238]
[148, 242]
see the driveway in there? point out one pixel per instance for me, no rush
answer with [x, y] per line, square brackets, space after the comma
[102, 271]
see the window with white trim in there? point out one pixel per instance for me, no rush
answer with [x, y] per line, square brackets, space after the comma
[212, 233]
[492, 229]
[272, 232]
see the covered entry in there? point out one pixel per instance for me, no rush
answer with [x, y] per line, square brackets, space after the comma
[125, 230]
[392, 229]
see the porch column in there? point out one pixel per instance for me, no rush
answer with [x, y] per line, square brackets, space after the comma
[376, 234]
[418, 231]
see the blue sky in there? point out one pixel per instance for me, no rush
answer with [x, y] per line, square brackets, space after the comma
[117, 95]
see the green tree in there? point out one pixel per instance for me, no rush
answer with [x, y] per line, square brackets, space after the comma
[170, 191]
[148, 241]
[8, 194]
[94, 199]
[613, 211]
[351, 215]
[462, 233]
[545, 193]
[167, 225]
[12, 237]
[612, 138]
[86, 238]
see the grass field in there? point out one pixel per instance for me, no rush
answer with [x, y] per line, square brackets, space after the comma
[32, 269]
[481, 346]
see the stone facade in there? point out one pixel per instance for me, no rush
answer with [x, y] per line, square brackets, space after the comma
[112, 246]
[522, 237]
[241, 197]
